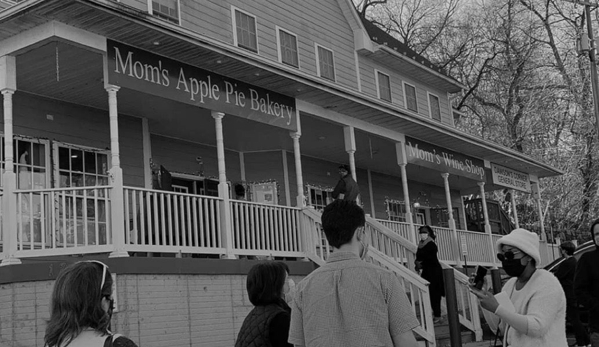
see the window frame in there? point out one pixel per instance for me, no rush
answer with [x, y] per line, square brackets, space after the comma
[378, 85]
[405, 95]
[234, 25]
[430, 106]
[328, 198]
[56, 164]
[402, 210]
[151, 12]
[278, 30]
[16, 165]
[318, 72]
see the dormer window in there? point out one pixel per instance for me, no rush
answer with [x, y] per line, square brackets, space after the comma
[410, 97]
[244, 29]
[167, 10]
[326, 63]
[383, 83]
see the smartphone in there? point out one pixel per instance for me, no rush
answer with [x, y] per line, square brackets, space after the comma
[479, 277]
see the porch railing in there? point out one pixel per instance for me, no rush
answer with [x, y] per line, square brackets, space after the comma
[266, 230]
[168, 222]
[318, 249]
[63, 221]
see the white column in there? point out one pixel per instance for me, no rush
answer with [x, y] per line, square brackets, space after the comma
[400, 151]
[117, 200]
[301, 200]
[223, 187]
[8, 86]
[536, 190]
[483, 199]
[350, 148]
[286, 178]
[371, 193]
[514, 210]
[454, 232]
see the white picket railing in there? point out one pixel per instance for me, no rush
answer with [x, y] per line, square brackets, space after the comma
[318, 249]
[266, 230]
[400, 228]
[168, 222]
[63, 221]
[390, 243]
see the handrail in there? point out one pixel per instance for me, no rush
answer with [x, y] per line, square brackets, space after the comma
[317, 249]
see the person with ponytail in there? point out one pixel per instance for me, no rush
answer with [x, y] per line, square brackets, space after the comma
[81, 308]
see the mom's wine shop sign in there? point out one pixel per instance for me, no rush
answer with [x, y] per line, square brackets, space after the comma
[441, 159]
[136, 69]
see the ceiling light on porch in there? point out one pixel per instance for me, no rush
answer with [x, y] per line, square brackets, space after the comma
[218, 61]
[321, 138]
[156, 43]
[256, 74]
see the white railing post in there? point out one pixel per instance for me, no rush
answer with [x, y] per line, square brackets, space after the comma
[117, 200]
[8, 86]
[454, 232]
[487, 225]
[301, 199]
[223, 187]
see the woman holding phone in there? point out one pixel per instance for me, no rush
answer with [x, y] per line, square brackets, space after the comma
[532, 304]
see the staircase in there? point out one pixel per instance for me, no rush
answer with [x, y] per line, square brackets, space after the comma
[396, 253]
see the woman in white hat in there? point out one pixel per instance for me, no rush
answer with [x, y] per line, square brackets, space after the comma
[535, 314]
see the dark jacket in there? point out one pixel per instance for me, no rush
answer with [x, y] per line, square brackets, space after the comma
[565, 274]
[431, 268]
[348, 187]
[266, 326]
[586, 286]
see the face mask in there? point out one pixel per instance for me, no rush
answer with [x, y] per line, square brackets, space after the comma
[423, 236]
[513, 267]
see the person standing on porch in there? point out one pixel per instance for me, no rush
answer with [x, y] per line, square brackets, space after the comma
[348, 302]
[427, 261]
[586, 284]
[346, 189]
[565, 274]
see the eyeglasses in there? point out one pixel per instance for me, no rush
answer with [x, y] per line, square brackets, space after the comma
[104, 269]
[507, 255]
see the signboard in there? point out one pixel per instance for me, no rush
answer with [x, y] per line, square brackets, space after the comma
[509, 178]
[132, 68]
[464, 245]
[441, 159]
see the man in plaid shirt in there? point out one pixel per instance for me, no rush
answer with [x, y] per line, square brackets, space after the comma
[348, 302]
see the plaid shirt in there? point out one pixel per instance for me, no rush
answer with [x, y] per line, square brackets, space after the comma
[349, 302]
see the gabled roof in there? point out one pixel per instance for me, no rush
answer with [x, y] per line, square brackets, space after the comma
[393, 46]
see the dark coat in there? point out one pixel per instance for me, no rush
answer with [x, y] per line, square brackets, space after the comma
[431, 268]
[266, 326]
[565, 274]
[348, 187]
[586, 286]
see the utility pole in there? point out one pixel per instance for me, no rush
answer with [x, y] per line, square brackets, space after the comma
[592, 56]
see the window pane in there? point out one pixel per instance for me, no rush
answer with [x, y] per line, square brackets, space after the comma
[384, 87]
[39, 154]
[76, 160]
[102, 166]
[90, 162]
[246, 31]
[327, 69]
[411, 98]
[64, 179]
[64, 158]
[435, 108]
[288, 49]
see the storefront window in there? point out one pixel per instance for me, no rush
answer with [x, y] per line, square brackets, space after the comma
[440, 217]
[82, 167]
[319, 197]
[396, 210]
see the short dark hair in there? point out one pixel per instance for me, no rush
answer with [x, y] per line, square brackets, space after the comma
[76, 303]
[340, 219]
[428, 230]
[592, 226]
[344, 167]
[265, 282]
[569, 247]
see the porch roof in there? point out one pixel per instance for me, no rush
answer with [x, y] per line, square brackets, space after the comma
[137, 28]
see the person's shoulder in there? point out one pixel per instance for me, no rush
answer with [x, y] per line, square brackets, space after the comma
[123, 341]
[587, 256]
[546, 278]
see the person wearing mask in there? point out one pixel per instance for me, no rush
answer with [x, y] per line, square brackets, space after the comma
[427, 261]
[348, 302]
[533, 303]
[267, 324]
[346, 188]
[586, 284]
[81, 308]
[565, 274]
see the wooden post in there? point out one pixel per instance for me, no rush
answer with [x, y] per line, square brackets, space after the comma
[301, 200]
[483, 199]
[400, 151]
[223, 187]
[117, 199]
[8, 86]
[454, 232]
[515, 211]
[455, 333]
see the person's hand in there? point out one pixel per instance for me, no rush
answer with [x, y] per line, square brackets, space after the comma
[486, 298]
